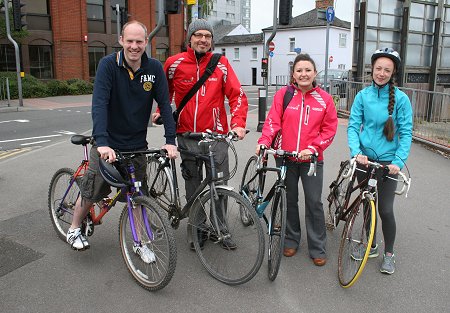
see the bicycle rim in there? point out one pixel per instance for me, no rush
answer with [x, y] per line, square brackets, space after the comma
[277, 231]
[336, 197]
[159, 182]
[61, 200]
[155, 275]
[357, 238]
[249, 189]
[230, 266]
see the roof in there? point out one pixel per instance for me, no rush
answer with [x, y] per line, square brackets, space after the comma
[223, 30]
[309, 19]
[236, 39]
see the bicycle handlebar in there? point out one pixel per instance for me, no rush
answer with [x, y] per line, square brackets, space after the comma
[209, 135]
[294, 154]
[404, 179]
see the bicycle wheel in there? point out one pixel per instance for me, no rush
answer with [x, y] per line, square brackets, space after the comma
[160, 183]
[336, 198]
[249, 188]
[356, 241]
[277, 232]
[235, 257]
[63, 193]
[158, 273]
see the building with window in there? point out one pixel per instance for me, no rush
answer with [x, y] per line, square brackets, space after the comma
[67, 38]
[230, 12]
[418, 29]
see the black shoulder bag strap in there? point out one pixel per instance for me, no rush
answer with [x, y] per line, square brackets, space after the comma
[209, 70]
[288, 96]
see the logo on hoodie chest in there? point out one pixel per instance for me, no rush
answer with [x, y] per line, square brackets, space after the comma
[147, 81]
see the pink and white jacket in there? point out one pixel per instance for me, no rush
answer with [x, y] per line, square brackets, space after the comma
[308, 122]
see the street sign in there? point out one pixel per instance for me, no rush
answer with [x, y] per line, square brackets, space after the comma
[264, 74]
[330, 59]
[330, 14]
[271, 46]
[298, 50]
[271, 54]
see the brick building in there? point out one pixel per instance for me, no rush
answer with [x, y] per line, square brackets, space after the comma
[67, 38]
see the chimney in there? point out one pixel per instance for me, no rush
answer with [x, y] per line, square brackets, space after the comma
[324, 4]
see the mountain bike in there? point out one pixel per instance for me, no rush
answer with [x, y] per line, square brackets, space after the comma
[141, 223]
[358, 213]
[252, 188]
[212, 212]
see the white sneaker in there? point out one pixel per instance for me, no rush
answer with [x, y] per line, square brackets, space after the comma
[76, 239]
[147, 255]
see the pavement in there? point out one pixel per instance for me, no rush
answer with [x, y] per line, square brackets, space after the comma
[46, 103]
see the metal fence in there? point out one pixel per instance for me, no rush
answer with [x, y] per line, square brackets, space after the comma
[4, 92]
[431, 110]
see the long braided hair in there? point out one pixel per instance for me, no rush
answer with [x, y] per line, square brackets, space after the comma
[389, 130]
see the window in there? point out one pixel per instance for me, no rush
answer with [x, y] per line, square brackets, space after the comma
[37, 15]
[291, 44]
[7, 58]
[230, 15]
[95, 15]
[236, 53]
[254, 53]
[95, 9]
[342, 40]
[162, 53]
[95, 54]
[224, 51]
[41, 64]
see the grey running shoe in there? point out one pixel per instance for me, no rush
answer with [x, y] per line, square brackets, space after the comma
[358, 254]
[388, 265]
[228, 243]
[147, 255]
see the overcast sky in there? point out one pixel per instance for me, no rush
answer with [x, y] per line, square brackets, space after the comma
[262, 11]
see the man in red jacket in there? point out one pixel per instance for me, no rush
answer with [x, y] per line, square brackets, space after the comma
[206, 108]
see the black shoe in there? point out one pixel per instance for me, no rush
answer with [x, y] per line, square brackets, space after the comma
[228, 243]
[202, 237]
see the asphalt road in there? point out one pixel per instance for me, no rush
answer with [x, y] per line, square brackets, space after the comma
[40, 273]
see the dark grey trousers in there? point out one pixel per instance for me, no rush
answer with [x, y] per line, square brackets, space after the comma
[314, 216]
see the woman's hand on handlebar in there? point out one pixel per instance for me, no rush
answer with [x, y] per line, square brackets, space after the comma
[393, 169]
[304, 154]
[259, 148]
[172, 151]
[362, 159]
[107, 153]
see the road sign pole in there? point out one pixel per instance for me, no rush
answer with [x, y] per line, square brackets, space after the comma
[325, 79]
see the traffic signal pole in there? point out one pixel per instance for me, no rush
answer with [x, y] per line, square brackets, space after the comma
[262, 103]
[16, 48]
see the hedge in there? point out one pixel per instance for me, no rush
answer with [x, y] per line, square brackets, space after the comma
[35, 88]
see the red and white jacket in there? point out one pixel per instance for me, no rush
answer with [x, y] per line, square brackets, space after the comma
[206, 109]
[308, 122]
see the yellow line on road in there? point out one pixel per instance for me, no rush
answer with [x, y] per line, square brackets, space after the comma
[10, 153]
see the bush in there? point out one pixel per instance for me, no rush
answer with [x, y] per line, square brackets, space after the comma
[35, 88]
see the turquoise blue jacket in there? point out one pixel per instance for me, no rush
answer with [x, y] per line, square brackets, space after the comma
[367, 118]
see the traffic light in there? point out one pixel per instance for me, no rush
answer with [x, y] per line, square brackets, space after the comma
[264, 64]
[123, 16]
[285, 12]
[172, 6]
[17, 15]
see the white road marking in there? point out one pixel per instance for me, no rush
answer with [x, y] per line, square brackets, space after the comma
[65, 132]
[22, 139]
[33, 143]
[18, 121]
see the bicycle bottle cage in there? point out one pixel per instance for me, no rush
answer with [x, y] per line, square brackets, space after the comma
[111, 175]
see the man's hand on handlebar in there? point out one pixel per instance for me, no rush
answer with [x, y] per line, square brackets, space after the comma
[172, 151]
[107, 153]
[240, 132]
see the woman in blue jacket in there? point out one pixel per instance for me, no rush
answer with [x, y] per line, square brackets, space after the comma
[380, 129]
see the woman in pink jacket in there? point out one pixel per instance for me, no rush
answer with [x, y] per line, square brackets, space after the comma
[308, 125]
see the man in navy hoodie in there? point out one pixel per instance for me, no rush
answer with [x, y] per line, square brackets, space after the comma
[125, 86]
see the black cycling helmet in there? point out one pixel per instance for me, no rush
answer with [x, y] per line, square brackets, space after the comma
[111, 175]
[388, 53]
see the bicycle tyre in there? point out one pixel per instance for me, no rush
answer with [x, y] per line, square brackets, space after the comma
[160, 182]
[249, 190]
[61, 208]
[230, 266]
[336, 198]
[277, 232]
[357, 237]
[153, 276]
